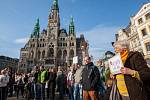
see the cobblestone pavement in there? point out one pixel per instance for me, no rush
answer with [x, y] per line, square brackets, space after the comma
[20, 98]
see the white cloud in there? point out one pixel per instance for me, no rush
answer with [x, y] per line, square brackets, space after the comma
[100, 38]
[21, 40]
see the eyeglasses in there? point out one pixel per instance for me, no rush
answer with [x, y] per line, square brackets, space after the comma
[86, 60]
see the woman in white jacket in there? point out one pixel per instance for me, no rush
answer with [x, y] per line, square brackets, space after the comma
[4, 79]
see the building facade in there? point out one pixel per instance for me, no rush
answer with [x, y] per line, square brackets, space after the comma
[142, 24]
[6, 62]
[138, 31]
[53, 46]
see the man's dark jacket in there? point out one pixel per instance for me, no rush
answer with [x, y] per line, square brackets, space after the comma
[90, 77]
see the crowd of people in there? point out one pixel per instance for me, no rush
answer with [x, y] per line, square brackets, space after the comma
[82, 82]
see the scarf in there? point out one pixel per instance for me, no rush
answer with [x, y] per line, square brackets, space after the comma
[120, 78]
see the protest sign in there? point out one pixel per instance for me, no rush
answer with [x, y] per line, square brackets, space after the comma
[115, 64]
[75, 60]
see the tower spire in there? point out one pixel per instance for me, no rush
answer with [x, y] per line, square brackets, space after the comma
[54, 14]
[55, 5]
[71, 26]
[36, 31]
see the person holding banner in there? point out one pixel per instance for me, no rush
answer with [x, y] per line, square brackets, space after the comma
[134, 79]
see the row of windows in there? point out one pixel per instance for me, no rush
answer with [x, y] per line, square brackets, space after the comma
[62, 44]
[39, 39]
[147, 17]
[59, 44]
[51, 53]
[63, 39]
[65, 44]
[39, 45]
[42, 40]
[39, 54]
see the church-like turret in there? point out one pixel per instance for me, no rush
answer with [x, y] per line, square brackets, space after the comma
[36, 31]
[71, 27]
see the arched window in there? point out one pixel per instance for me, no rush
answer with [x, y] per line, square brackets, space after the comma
[51, 52]
[71, 53]
[64, 54]
[39, 54]
[59, 54]
[43, 54]
[72, 44]
[32, 54]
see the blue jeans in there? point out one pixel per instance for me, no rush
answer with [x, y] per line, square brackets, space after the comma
[37, 91]
[77, 91]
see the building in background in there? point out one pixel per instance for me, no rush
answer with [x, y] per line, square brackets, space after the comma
[6, 62]
[138, 32]
[53, 46]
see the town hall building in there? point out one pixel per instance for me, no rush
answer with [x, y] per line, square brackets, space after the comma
[53, 46]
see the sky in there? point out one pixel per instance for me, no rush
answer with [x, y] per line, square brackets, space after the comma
[98, 20]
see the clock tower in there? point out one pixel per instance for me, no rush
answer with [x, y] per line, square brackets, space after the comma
[53, 21]
[53, 28]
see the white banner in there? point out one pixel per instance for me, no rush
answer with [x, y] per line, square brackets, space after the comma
[75, 60]
[115, 64]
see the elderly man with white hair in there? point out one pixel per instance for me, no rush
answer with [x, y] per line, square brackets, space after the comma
[4, 79]
[135, 76]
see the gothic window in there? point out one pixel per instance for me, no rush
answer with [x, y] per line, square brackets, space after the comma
[59, 54]
[51, 52]
[72, 44]
[32, 54]
[39, 54]
[64, 44]
[33, 45]
[71, 53]
[51, 45]
[43, 54]
[64, 54]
